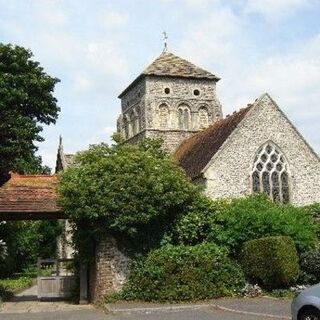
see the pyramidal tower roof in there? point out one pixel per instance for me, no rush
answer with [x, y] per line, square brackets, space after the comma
[170, 65]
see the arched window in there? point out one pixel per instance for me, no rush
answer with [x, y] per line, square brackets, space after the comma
[138, 119]
[203, 117]
[163, 116]
[133, 130]
[126, 125]
[184, 117]
[270, 173]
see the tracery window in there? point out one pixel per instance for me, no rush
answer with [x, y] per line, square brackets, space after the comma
[163, 116]
[184, 117]
[270, 173]
[203, 117]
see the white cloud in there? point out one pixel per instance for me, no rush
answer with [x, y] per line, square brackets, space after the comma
[214, 38]
[293, 77]
[82, 83]
[221, 44]
[193, 4]
[275, 9]
[50, 13]
[106, 57]
[89, 48]
[113, 19]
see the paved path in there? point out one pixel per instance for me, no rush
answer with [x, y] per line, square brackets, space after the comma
[27, 302]
[26, 307]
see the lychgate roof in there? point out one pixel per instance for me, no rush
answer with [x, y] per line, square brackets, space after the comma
[195, 153]
[170, 65]
[29, 197]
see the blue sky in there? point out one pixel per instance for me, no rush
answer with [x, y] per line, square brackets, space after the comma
[98, 47]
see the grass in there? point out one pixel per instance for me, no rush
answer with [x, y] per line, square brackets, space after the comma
[9, 286]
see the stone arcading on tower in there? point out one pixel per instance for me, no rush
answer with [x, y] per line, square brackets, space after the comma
[172, 99]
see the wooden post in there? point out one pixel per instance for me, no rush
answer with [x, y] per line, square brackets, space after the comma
[39, 267]
[83, 284]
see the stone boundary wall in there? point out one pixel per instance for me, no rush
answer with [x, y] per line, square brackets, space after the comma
[109, 270]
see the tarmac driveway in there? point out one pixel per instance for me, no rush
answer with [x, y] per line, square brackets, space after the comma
[26, 307]
[91, 314]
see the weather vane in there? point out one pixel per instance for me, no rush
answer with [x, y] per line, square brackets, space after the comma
[165, 38]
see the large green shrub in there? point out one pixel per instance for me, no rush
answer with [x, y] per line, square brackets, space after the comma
[133, 191]
[223, 222]
[193, 225]
[176, 273]
[256, 216]
[310, 267]
[271, 261]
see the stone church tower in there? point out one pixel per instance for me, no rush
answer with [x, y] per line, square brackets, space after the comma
[171, 99]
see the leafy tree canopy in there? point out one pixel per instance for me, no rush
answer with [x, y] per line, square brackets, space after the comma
[25, 241]
[26, 101]
[135, 190]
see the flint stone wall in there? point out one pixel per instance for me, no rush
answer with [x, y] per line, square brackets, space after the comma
[109, 271]
[228, 175]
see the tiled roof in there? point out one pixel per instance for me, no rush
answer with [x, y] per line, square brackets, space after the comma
[29, 194]
[170, 65]
[196, 152]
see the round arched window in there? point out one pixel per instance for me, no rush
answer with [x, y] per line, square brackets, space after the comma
[163, 116]
[203, 117]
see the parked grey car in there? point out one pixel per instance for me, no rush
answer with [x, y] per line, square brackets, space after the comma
[306, 306]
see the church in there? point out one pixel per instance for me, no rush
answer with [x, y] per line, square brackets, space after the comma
[255, 149]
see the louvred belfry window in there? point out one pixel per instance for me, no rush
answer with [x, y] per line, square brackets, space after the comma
[270, 173]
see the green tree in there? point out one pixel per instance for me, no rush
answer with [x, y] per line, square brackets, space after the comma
[132, 190]
[26, 241]
[26, 102]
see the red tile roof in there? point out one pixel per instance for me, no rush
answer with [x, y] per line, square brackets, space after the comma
[196, 152]
[24, 194]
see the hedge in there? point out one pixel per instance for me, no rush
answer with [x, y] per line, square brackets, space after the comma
[310, 267]
[271, 261]
[177, 273]
[256, 216]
